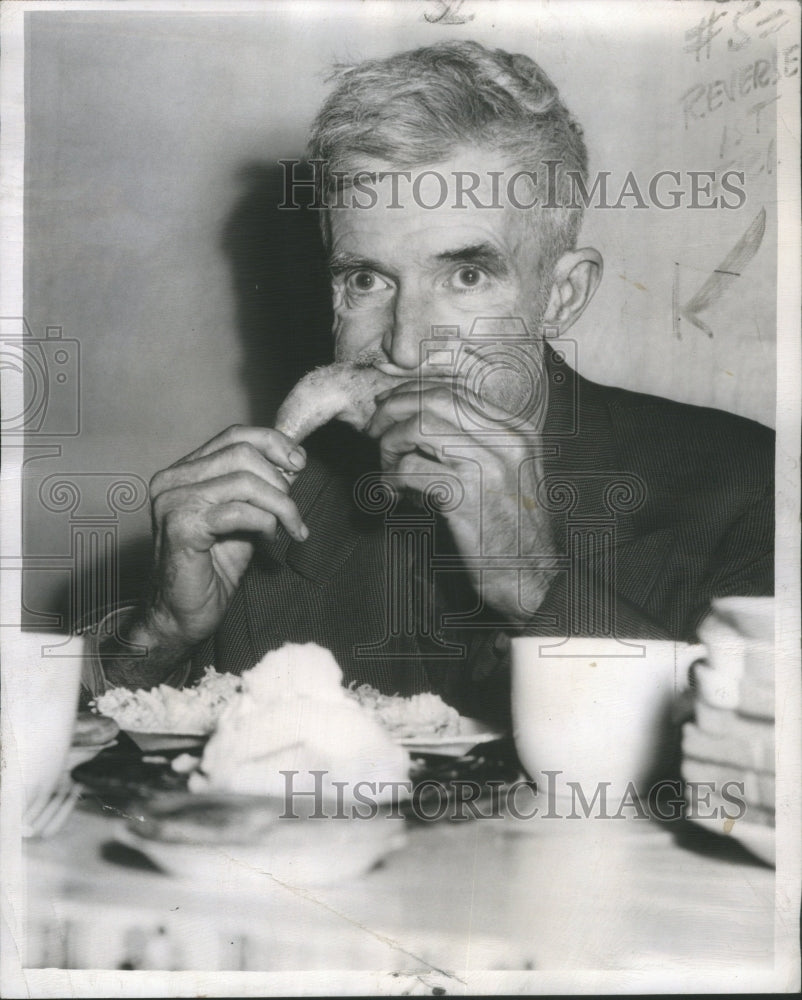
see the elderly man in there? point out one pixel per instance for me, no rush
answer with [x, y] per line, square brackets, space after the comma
[448, 176]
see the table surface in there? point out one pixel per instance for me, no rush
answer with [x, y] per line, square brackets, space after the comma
[488, 893]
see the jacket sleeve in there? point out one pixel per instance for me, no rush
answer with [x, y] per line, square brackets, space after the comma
[742, 565]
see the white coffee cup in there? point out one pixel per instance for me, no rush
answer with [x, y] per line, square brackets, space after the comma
[596, 711]
[41, 683]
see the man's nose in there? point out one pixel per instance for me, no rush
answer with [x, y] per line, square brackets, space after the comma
[408, 328]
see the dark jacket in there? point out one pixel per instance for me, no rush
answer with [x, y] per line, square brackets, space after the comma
[657, 507]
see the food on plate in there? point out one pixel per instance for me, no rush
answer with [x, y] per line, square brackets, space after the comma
[165, 709]
[345, 390]
[292, 718]
[422, 715]
[93, 730]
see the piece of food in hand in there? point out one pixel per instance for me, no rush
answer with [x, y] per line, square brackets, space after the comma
[422, 715]
[190, 711]
[93, 730]
[293, 728]
[344, 391]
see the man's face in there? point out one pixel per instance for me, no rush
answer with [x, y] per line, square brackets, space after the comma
[397, 272]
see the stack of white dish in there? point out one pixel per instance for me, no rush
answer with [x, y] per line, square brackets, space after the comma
[728, 750]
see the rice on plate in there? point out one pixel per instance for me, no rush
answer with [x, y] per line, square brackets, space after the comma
[195, 711]
[190, 711]
[420, 716]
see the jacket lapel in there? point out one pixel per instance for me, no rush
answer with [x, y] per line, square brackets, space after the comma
[323, 500]
[335, 528]
[605, 498]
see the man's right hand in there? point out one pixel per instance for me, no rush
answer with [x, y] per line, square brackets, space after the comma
[208, 508]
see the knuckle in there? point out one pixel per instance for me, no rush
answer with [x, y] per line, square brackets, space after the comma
[241, 480]
[156, 485]
[282, 484]
[174, 523]
[214, 517]
[222, 517]
[157, 506]
[243, 452]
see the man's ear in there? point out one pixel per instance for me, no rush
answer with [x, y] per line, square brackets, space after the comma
[576, 277]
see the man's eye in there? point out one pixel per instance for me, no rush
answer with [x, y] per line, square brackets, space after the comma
[364, 282]
[467, 278]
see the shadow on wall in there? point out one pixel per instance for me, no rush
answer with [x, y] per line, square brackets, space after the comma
[284, 319]
[284, 314]
[281, 285]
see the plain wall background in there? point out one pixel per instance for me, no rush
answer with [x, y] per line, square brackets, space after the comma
[151, 235]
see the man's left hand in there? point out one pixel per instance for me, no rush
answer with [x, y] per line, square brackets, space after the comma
[499, 466]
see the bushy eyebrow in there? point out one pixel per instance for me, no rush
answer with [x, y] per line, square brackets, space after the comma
[481, 254]
[342, 260]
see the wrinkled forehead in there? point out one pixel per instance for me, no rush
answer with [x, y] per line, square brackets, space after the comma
[472, 190]
[470, 179]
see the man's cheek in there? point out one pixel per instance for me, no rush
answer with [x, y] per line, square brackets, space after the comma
[356, 333]
[477, 314]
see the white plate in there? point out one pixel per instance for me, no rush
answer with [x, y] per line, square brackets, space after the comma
[83, 754]
[472, 733]
[300, 852]
[152, 742]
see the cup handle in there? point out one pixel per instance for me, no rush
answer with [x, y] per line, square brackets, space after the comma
[687, 658]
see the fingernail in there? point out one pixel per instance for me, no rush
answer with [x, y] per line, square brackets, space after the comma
[381, 396]
[297, 458]
[303, 533]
